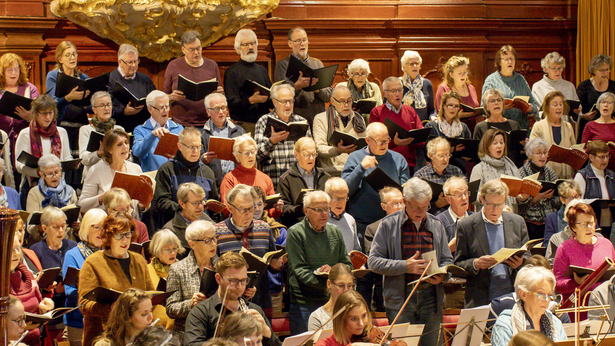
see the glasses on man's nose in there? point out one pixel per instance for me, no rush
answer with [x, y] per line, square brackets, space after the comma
[163, 108]
[286, 102]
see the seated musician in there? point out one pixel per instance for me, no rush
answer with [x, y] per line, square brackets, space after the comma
[241, 327]
[534, 287]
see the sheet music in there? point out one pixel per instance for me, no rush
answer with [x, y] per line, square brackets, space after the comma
[480, 315]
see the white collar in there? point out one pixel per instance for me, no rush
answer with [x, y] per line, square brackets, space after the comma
[455, 216]
[124, 76]
[500, 219]
[156, 125]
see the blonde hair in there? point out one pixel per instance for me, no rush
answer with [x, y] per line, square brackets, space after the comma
[452, 63]
[6, 61]
[349, 299]
[115, 196]
[62, 47]
[163, 238]
[92, 217]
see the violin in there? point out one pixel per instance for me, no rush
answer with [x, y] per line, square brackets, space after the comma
[376, 336]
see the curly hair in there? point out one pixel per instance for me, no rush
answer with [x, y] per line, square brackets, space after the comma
[6, 61]
[118, 323]
[117, 223]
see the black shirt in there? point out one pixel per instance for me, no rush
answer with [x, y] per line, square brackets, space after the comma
[238, 100]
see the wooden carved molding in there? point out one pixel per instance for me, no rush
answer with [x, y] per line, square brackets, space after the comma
[156, 26]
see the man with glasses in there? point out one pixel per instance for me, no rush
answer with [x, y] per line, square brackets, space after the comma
[191, 207]
[400, 242]
[218, 125]
[484, 233]
[147, 135]
[246, 105]
[312, 245]
[241, 230]
[196, 68]
[403, 115]
[300, 176]
[232, 277]
[307, 103]
[139, 84]
[457, 195]
[337, 189]
[338, 117]
[275, 152]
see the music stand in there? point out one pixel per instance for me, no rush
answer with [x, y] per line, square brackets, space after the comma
[471, 326]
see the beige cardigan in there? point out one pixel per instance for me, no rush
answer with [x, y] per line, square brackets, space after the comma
[543, 130]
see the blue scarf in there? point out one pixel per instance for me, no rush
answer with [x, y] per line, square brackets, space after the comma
[56, 196]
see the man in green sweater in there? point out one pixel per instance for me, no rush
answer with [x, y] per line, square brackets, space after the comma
[312, 244]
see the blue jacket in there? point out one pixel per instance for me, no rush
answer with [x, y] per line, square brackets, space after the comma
[503, 330]
[555, 223]
[145, 143]
[593, 189]
[12, 196]
[73, 258]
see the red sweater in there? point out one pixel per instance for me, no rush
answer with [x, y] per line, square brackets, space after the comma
[605, 132]
[330, 340]
[408, 119]
[250, 177]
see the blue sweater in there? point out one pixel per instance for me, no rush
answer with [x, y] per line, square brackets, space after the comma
[62, 104]
[364, 202]
[145, 145]
[512, 86]
[12, 196]
[73, 258]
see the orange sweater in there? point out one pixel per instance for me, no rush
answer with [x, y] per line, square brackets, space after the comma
[250, 177]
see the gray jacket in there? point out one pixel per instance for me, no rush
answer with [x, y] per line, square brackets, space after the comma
[385, 257]
[606, 292]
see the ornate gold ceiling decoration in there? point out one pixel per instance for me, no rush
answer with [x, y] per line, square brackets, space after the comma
[155, 26]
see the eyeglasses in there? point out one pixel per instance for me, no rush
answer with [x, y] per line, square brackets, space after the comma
[419, 209]
[130, 63]
[339, 199]
[163, 108]
[52, 175]
[12, 70]
[286, 102]
[309, 155]
[541, 153]
[351, 286]
[603, 70]
[507, 59]
[586, 225]
[452, 106]
[120, 236]
[219, 109]
[104, 105]
[443, 156]
[320, 210]
[396, 205]
[197, 203]
[191, 147]
[193, 50]
[461, 195]
[208, 241]
[235, 282]
[543, 296]
[556, 68]
[498, 100]
[58, 228]
[248, 44]
[70, 55]
[602, 157]
[48, 113]
[395, 91]
[413, 64]
[248, 153]
[385, 142]
[607, 102]
[20, 321]
[171, 250]
[357, 74]
[243, 210]
[343, 102]
[495, 206]
[300, 41]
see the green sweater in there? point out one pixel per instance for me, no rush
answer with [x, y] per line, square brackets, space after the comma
[307, 251]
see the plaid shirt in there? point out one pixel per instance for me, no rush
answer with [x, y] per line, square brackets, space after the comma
[430, 174]
[185, 279]
[275, 159]
[414, 240]
[537, 212]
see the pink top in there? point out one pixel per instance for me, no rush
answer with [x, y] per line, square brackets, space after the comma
[571, 252]
[408, 119]
[328, 341]
[470, 100]
[606, 132]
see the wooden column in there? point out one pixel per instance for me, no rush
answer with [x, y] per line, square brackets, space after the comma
[8, 223]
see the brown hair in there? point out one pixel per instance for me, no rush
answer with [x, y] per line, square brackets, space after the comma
[230, 260]
[452, 63]
[576, 210]
[498, 55]
[117, 223]
[487, 140]
[118, 323]
[350, 299]
[530, 338]
[44, 103]
[6, 61]
[62, 47]
[597, 146]
[449, 95]
[240, 324]
[538, 261]
[339, 270]
[110, 139]
[546, 108]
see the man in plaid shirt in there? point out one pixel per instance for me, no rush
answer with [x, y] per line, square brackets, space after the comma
[275, 153]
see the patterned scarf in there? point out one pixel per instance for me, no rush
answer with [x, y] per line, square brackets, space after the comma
[450, 131]
[101, 127]
[365, 93]
[274, 225]
[520, 322]
[358, 123]
[86, 249]
[161, 269]
[58, 196]
[3, 201]
[414, 97]
[36, 132]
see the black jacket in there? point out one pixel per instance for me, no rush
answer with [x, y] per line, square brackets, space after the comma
[215, 165]
[290, 185]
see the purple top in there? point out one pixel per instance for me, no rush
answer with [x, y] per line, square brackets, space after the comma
[571, 252]
[13, 126]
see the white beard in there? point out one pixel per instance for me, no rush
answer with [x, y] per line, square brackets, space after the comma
[249, 57]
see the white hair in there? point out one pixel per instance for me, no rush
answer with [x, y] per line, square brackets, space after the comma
[211, 96]
[241, 34]
[152, 96]
[197, 229]
[410, 54]
[309, 197]
[275, 89]
[416, 189]
[358, 65]
[530, 276]
[126, 48]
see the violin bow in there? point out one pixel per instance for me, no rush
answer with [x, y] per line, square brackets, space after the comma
[222, 312]
[386, 335]
[324, 324]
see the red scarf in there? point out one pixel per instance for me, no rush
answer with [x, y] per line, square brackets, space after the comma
[36, 132]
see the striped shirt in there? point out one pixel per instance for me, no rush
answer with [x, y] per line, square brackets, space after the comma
[414, 240]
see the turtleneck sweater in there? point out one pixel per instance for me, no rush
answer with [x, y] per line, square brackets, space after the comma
[248, 176]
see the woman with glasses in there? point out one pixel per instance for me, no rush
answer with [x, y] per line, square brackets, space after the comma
[584, 249]
[456, 80]
[244, 150]
[302, 175]
[91, 241]
[603, 128]
[340, 280]
[185, 276]
[118, 200]
[555, 130]
[534, 286]
[511, 84]
[101, 122]
[360, 87]
[597, 181]
[165, 247]
[16, 321]
[591, 89]
[115, 154]
[115, 267]
[494, 162]
[42, 137]
[553, 65]
[535, 209]
[418, 91]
